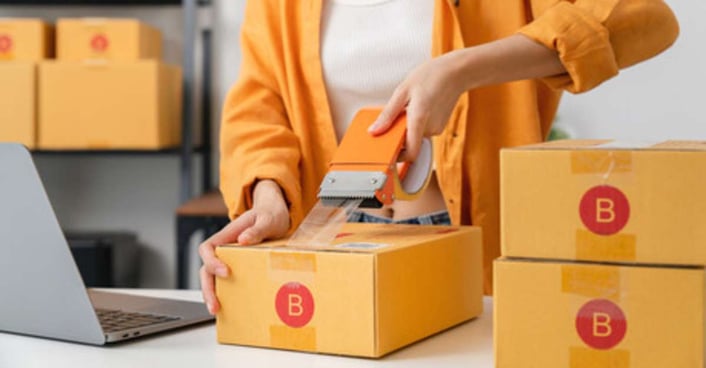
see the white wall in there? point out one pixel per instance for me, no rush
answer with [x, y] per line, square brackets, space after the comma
[659, 99]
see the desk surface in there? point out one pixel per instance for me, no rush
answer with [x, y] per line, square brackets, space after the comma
[468, 345]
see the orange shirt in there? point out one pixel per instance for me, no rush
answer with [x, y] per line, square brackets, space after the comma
[277, 123]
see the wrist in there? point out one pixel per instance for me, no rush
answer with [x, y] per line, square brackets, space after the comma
[266, 191]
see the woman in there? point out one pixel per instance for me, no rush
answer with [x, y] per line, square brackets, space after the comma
[309, 65]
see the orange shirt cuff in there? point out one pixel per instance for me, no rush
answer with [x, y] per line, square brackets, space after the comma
[582, 42]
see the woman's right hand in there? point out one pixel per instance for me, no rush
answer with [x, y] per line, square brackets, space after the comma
[267, 219]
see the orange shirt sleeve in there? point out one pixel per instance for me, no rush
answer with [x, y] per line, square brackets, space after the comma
[256, 138]
[595, 38]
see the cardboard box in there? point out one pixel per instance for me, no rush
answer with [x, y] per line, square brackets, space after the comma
[129, 105]
[18, 102]
[114, 39]
[376, 289]
[25, 39]
[605, 201]
[580, 315]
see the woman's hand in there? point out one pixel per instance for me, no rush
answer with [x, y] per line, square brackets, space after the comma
[430, 92]
[268, 219]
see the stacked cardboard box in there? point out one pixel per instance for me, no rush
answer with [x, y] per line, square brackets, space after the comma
[23, 43]
[604, 249]
[375, 289]
[107, 39]
[108, 89]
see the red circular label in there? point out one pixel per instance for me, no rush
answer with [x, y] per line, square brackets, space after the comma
[5, 43]
[604, 210]
[294, 304]
[99, 43]
[601, 324]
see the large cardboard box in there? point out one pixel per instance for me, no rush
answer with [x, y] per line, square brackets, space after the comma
[376, 289]
[25, 39]
[128, 105]
[551, 314]
[18, 102]
[112, 39]
[605, 201]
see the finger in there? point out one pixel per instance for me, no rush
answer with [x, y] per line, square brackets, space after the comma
[208, 291]
[263, 228]
[394, 107]
[211, 263]
[228, 234]
[231, 232]
[416, 122]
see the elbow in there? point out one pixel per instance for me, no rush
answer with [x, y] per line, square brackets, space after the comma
[665, 27]
[670, 24]
[640, 30]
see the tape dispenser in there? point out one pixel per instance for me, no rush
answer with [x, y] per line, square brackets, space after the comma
[366, 167]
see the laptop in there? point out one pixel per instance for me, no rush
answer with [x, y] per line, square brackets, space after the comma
[41, 290]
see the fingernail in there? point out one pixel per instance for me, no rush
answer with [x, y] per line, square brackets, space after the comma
[373, 126]
[221, 271]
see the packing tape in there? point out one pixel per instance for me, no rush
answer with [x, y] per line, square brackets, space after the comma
[604, 162]
[618, 247]
[417, 175]
[595, 283]
[287, 268]
[290, 261]
[285, 337]
[322, 224]
[581, 357]
[591, 282]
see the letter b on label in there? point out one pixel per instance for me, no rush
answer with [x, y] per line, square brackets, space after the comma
[604, 210]
[601, 324]
[294, 304]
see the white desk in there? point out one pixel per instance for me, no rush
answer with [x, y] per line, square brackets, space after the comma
[468, 345]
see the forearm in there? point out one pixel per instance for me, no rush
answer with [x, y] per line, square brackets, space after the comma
[509, 59]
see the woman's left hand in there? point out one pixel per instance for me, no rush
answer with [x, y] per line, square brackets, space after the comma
[429, 94]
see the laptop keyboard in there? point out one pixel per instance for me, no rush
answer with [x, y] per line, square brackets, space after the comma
[112, 320]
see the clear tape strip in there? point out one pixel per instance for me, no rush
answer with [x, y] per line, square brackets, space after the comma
[322, 224]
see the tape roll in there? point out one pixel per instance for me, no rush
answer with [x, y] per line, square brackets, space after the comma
[417, 176]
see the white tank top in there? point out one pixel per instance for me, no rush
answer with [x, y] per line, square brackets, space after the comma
[367, 48]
